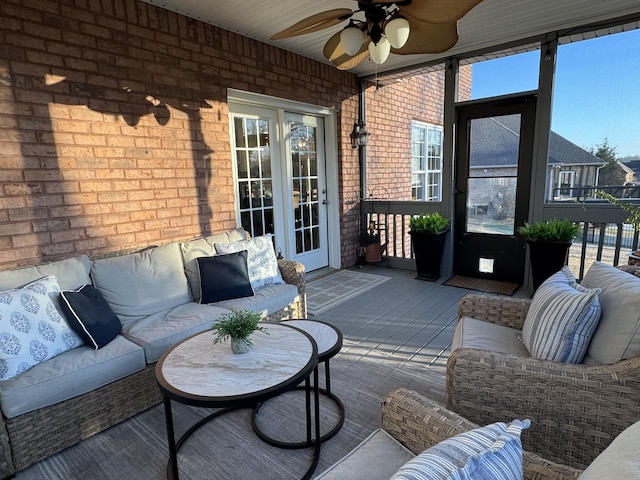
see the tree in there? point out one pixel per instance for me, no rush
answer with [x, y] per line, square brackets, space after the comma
[611, 173]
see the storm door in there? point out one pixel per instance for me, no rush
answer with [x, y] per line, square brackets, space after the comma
[493, 179]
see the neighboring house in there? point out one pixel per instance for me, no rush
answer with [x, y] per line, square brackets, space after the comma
[634, 165]
[494, 154]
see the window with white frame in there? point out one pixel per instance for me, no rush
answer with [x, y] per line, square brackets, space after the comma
[426, 162]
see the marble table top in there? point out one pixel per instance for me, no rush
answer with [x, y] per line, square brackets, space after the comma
[325, 335]
[197, 367]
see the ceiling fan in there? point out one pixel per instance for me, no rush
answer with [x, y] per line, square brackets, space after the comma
[402, 27]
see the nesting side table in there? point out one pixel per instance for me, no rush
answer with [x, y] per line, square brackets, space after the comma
[328, 338]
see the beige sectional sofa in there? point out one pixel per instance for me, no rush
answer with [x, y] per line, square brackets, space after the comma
[83, 391]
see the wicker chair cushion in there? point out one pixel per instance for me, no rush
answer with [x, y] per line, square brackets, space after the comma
[144, 283]
[619, 460]
[492, 452]
[69, 375]
[71, 273]
[267, 300]
[376, 458]
[561, 320]
[263, 264]
[481, 335]
[618, 334]
[32, 330]
[158, 332]
[204, 247]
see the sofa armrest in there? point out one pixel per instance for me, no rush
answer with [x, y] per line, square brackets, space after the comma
[575, 410]
[7, 468]
[293, 274]
[507, 311]
[419, 423]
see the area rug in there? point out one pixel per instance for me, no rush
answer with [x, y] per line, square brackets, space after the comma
[331, 290]
[482, 285]
[227, 448]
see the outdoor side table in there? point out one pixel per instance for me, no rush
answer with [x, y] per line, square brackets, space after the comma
[329, 341]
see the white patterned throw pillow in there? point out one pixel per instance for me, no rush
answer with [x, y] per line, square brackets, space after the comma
[31, 328]
[561, 320]
[493, 452]
[262, 261]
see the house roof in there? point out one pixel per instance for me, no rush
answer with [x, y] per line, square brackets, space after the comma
[495, 144]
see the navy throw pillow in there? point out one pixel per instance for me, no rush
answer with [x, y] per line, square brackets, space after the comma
[223, 277]
[90, 316]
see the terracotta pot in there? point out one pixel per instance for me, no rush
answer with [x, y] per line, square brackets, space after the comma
[374, 252]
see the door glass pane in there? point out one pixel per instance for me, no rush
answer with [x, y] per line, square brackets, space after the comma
[304, 166]
[253, 171]
[493, 169]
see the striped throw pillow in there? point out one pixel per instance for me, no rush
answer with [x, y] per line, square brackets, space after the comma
[493, 452]
[561, 320]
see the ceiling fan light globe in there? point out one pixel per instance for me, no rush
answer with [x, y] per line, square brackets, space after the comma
[351, 40]
[380, 52]
[397, 32]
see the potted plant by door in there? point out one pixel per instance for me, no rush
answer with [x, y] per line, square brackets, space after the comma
[549, 242]
[428, 232]
[239, 326]
[370, 240]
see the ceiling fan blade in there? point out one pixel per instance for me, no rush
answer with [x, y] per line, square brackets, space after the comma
[439, 11]
[429, 37]
[315, 22]
[334, 52]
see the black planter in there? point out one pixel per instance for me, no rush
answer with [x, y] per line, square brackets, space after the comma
[546, 259]
[427, 250]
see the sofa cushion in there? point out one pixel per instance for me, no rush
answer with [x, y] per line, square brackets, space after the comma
[90, 316]
[619, 460]
[71, 274]
[158, 332]
[492, 452]
[561, 319]
[618, 333]
[376, 458]
[204, 247]
[267, 300]
[263, 264]
[68, 375]
[144, 283]
[223, 277]
[481, 335]
[32, 329]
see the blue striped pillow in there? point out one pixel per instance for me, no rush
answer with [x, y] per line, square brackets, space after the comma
[493, 452]
[561, 320]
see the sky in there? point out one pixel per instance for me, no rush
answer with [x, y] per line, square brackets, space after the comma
[597, 89]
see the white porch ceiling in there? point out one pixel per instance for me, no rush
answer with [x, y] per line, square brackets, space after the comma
[491, 23]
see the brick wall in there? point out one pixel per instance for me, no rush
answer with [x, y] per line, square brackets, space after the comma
[114, 126]
[391, 109]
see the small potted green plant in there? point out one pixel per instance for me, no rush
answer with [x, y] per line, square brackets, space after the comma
[549, 243]
[238, 326]
[428, 232]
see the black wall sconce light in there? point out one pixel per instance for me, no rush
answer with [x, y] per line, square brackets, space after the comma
[359, 135]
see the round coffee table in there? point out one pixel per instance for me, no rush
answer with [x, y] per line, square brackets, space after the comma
[329, 340]
[197, 372]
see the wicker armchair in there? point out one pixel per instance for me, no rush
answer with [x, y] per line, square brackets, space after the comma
[419, 423]
[575, 410]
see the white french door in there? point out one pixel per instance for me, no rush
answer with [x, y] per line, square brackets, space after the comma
[307, 190]
[280, 180]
